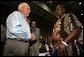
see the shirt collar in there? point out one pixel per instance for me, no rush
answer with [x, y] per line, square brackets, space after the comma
[23, 15]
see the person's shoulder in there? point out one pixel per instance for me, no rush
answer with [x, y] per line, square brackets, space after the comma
[72, 14]
[16, 12]
[37, 29]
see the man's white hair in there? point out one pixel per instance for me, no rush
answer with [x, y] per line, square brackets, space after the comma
[21, 5]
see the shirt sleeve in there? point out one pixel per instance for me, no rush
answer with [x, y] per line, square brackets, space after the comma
[76, 20]
[80, 37]
[15, 27]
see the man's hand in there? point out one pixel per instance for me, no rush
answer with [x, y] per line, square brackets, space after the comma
[33, 36]
[61, 49]
[73, 35]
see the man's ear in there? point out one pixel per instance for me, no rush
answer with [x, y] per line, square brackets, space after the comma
[22, 9]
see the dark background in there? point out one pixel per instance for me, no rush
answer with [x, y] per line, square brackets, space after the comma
[45, 18]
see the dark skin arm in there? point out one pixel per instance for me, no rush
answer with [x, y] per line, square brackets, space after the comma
[74, 34]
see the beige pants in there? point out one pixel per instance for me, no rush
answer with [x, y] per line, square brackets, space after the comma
[16, 48]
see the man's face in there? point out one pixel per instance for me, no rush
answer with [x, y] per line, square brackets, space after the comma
[59, 10]
[33, 24]
[26, 10]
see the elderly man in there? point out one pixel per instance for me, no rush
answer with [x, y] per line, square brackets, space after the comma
[18, 32]
[67, 33]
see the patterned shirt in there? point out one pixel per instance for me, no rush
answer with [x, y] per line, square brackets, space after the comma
[67, 23]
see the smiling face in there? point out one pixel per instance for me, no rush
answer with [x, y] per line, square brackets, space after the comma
[26, 10]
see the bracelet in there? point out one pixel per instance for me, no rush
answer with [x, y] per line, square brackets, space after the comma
[64, 43]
